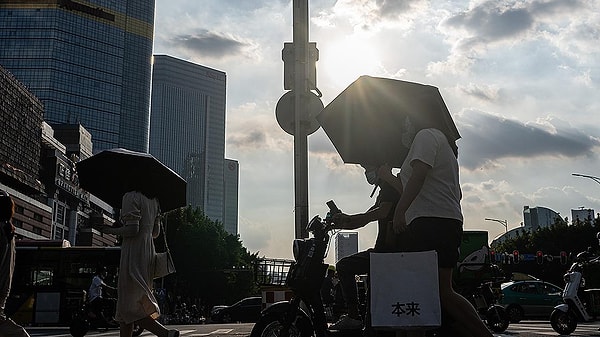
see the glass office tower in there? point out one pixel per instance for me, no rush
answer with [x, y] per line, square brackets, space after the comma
[89, 62]
[188, 129]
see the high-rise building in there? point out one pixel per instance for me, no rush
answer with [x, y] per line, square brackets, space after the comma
[581, 215]
[539, 217]
[231, 176]
[346, 244]
[187, 133]
[88, 62]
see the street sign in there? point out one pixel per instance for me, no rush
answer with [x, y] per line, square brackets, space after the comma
[284, 112]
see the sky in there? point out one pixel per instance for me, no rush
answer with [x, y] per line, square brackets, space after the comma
[520, 78]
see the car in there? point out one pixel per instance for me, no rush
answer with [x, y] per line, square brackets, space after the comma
[216, 308]
[529, 299]
[246, 310]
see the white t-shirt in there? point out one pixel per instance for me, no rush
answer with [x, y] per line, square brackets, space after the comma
[95, 288]
[440, 195]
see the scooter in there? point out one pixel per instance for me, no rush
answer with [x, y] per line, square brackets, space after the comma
[304, 314]
[580, 304]
[85, 319]
[484, 299]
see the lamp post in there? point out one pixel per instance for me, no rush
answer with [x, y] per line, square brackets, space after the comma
[503, 222]
[596, 179]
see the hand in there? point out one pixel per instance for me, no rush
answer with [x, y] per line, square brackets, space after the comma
[339, 220]
[400, 225]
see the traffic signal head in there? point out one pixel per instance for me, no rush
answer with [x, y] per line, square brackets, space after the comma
[515, 256]
[492, 256]
[563, 257]
[539, 257]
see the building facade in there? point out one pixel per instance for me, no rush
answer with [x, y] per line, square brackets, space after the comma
[231, 177]
[89, 62]
[188, 134]
[537, 217]
[20, 147]
[37, 170]
[581, 215]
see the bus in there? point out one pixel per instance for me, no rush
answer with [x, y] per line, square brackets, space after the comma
[51, 280]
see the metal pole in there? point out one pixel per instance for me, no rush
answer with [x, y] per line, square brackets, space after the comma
[300, 26]
[503, 222]
[596, 179]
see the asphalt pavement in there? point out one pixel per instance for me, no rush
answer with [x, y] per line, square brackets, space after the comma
[524, 329]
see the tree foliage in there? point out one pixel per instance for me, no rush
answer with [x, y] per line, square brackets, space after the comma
[211, 264]
[552, 240]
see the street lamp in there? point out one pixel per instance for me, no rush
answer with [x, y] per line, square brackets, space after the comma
[596, 179]
[503, 222]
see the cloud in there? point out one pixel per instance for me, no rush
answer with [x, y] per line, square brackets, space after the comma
[489, 21]
[483, 92]
[494, 20]
[570, 27]
[209, 44]
[486, 138]
[367, 15]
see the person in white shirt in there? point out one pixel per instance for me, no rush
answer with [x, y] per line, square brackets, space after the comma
[429, 208]
[98, 302]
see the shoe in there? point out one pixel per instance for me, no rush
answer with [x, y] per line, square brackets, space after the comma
[347, 323]
[173, 333]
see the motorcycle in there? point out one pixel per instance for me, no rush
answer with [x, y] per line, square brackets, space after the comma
[86, 319]
[304, 314]
[484, 297]
[580, 304]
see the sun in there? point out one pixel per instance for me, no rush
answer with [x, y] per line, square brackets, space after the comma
[343, 61]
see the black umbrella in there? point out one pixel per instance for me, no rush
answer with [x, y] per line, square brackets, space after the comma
[111, 173]
[373, 120]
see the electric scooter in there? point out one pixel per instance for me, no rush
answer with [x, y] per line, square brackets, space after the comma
[484, 299]
[580, 304]
[304, 314]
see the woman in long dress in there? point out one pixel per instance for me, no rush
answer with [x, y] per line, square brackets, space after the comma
[140, 216]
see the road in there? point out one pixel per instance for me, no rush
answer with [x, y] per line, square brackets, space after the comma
[527, 329]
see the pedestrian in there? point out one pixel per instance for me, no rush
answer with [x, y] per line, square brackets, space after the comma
[387, 241]
[429, 208]
[97, 299]
[8, 328]
[136, 303]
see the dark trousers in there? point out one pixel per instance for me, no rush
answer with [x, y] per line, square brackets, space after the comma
[347, 269]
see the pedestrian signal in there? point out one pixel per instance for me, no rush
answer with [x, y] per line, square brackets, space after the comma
[515, 256]
[539, 257]
[563, 257]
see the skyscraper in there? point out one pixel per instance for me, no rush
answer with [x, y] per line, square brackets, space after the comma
[88, 62]
[231, 177]
[187, 132]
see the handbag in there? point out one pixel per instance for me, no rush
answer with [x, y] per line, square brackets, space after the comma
[404, 290]
[163, 262]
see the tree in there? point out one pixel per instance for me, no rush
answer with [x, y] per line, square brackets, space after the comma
[211, 264]
[551, 241]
